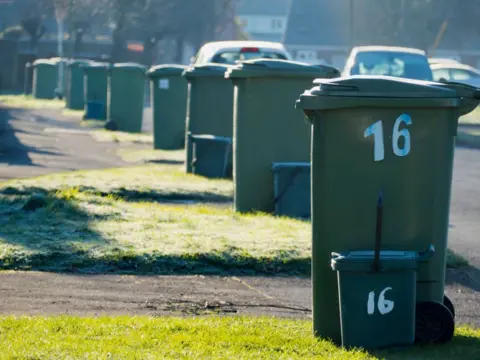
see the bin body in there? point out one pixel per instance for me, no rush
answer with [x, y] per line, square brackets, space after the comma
[28, 79]
[291, 184]
[211, 156]
[95, 86]
[168, 90]
[209, 104]
[126, 96]
[75, 92]
[45, 75]
[377, 308]
[374, 133]
[267, 127]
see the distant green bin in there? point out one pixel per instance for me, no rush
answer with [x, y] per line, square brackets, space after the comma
[126, 97]
[95, 87]
[212, 156]
[75, 93]
[45, 75]
[291, 184]
[267, 127]
[168, 91]
[210, 104]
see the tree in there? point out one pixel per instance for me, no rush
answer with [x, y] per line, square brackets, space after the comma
[32, 22]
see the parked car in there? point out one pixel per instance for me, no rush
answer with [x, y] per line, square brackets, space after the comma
[390, 61]
[229, 52]
[456, 72]
[433, 61]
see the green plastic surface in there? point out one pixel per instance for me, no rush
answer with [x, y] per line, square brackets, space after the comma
[209, 70]
[166, 70]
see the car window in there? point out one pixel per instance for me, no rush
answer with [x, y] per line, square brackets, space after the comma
[231, 57]
[460, 74]
[389, 63]
[439, 74]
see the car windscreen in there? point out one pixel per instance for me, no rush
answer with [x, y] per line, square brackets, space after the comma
[399, 64]
[231, 57]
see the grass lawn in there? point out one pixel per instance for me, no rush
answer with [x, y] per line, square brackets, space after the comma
[144, 219]
[195, 338]
[471, 119]
[122, 137]
[28, 102]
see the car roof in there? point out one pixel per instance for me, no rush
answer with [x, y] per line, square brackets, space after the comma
[442, 61]
[454, 66]
[359, 49]
[220, 45]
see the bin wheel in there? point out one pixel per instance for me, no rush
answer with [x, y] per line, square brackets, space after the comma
[448, 303]
[434, 323]
[111, 125]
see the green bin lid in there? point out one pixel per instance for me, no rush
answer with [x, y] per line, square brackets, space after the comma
[97, 65]
[363, 261]
[129, 67]
[279, 68]
[276, 166]
[78, 63]
[211, 138]
[210, 69]
[45, 62]
[374, 91]
[166, 70]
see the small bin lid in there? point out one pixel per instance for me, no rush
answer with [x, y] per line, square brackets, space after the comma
[129, 67]
[78, 63]
[97, 65]
[210, 69]
[166, 70]
[362, 261]
[45, 62]
[279, 68]
[361, 90]
[277, 166]
[212, 138]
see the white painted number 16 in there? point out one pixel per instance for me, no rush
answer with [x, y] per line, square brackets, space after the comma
[384, 306]
[377, 131]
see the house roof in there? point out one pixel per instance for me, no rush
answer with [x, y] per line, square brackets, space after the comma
[263, 7]
[318, 23]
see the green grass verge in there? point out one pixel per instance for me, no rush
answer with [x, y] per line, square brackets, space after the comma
[122, 137]
[152, 156]
[199, 338]
[145, 219]
[471, 119]
[28, 102]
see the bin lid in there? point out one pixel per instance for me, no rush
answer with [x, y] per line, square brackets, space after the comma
[362, 90]
[130, 67]
[291, 165]
[210, 69]
[78, 62]
[97, 65]
[279, 68]
[45, 62]
[211, 137]
[166, 70]
[362, 261]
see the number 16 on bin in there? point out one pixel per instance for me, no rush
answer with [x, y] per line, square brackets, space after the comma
[376, 130]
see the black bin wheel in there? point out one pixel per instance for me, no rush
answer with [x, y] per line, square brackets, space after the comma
[434, 323]
[111, 126]
[448, 303]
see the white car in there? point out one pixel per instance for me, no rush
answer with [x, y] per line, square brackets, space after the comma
[389, 61]
[230, 52]
[456, 72]
[435, 61]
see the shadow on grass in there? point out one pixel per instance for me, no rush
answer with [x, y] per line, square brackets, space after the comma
[165, 162]
[49, 231]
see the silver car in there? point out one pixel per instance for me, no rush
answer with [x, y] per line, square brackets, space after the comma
[456, 72]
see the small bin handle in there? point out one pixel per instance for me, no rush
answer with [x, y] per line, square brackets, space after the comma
[426, 255]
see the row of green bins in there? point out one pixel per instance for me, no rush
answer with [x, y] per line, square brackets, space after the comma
[398, 135]
[267, 128]
[211, 156]
[126, 97]
[168, 91]
[95, 87]
[291, 185]
[209, 105]
[74, 93]
[45, 75]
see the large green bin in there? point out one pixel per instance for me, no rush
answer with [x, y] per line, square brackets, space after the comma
[372, 133]
[209, 104]
[168, 91]
[74, 93]
[45, 75]
[267, 128]
[126, 96]
[95, 87]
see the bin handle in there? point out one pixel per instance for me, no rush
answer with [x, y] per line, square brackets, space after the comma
[427, 254]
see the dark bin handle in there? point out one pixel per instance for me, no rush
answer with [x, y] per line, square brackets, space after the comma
[427, 254]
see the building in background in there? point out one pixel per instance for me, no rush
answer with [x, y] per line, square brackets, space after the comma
[264, 20]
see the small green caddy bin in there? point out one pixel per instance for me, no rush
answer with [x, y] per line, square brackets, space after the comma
[168, 91]
[372, 133]
[267, 128]
[211, 156]
[209, 104]
[126, 97]
[75, 93]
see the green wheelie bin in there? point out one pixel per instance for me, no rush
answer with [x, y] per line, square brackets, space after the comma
[168, 91]
[126, 97]
[373, 133]
[209, 105]
[95, 87]
[45, 75]
[74, 93]
[268, 129]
